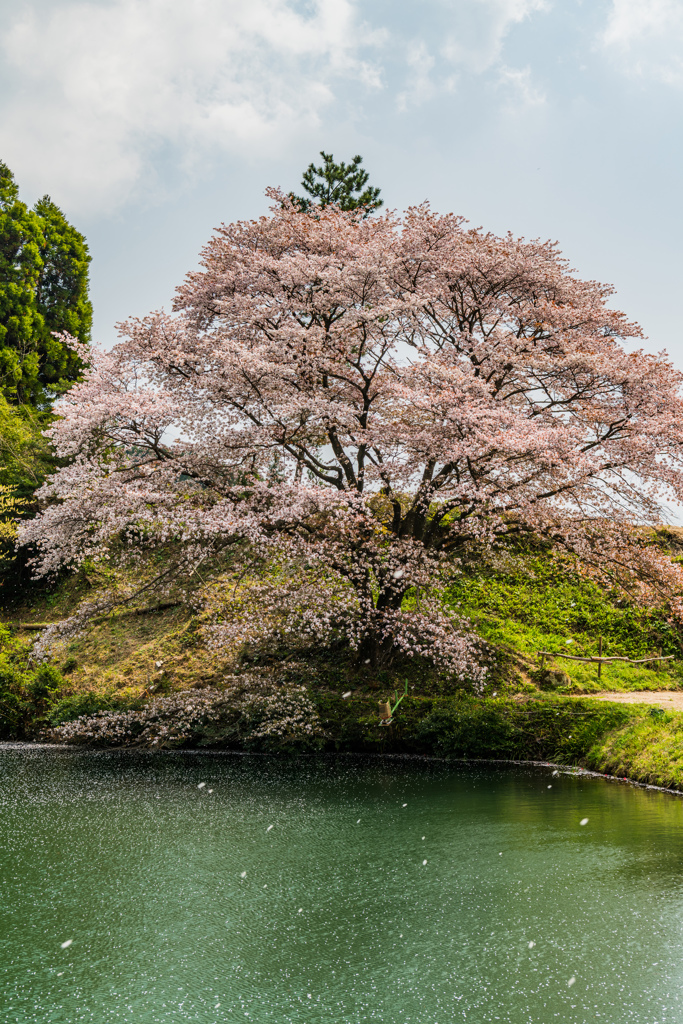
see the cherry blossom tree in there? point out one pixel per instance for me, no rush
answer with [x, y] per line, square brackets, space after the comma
[354, 405]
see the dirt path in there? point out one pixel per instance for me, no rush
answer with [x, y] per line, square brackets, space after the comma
[671, 699]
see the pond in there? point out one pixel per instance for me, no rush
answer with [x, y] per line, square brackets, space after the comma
[332, 890]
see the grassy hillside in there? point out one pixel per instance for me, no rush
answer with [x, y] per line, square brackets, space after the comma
[519, 603]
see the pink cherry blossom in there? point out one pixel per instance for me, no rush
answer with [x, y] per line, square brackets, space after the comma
[354, 405]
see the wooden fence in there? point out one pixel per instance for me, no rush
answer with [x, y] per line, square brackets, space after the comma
[600, 660]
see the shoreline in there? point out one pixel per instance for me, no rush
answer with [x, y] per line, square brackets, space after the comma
[574, 770]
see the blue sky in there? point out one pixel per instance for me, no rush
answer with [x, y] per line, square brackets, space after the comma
[151, 121]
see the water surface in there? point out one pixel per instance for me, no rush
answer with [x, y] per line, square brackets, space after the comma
[398, 891]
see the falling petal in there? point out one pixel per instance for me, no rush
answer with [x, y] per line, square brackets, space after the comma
[423, 863]
[571, 981]
[358, 822]
[60, 973]
[310, 996]
[584, 821]
[424, 837]
[201, 785]
[65, 945]
[500, 854]
[210, 791]
[550, 787]
[347, 694]
[300, 910]
[217, 1006]
[405, 805]
[243, 875]
[532, 944]
[269, 828]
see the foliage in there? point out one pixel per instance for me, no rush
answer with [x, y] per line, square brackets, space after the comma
[21, 241]
[25, 692]
[559, 729]
[61, 297]
[345, 185]
[25, 454]
[532, 602]
[9, 508]
[43, 289]
[70, 706]
[518, 412]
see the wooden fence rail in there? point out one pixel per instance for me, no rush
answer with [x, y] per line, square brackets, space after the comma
[601, 660]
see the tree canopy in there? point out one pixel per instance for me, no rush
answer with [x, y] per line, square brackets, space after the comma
[426, 389]
[345, 185]
[43, 290]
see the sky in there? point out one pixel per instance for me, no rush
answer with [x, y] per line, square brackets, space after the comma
[152, 121]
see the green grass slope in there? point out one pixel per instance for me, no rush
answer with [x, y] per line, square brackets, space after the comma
[519, 602]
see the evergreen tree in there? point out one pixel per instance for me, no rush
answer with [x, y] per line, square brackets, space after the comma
[343, 184]
[43, 289]
[21, 240]
[62, 296]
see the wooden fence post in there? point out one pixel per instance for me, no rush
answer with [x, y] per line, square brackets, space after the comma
[600, 656]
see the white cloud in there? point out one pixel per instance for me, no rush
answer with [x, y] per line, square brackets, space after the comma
[421, 84]
[520, 88]
[94, 89]
[467, 38]
[646, 38]
[479, 29]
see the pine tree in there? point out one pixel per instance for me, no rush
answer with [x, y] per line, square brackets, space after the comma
[342, 184]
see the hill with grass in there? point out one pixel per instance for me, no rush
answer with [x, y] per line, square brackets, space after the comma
[148, 674]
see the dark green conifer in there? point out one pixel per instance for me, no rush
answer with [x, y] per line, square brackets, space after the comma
[62, 296]
[43, 289]
[21, 324]
[343, 184]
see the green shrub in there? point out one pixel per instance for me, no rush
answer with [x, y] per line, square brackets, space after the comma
[43, 682]
[72, 706]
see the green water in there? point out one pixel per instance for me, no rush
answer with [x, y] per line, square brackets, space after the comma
[337, 920]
